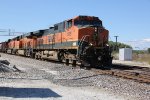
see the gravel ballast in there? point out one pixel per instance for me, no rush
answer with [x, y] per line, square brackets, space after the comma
[68, 76]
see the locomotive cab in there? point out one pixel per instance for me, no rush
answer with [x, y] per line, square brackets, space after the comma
[93, 48]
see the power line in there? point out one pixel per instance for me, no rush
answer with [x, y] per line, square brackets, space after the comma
[10, 32]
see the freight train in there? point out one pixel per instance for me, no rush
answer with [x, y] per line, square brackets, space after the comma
[82, 39]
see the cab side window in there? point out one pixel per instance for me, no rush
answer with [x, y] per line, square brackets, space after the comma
[56, 27]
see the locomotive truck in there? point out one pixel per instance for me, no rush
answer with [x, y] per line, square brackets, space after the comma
[82, 39]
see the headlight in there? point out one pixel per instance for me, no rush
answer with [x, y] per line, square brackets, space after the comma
[91, 44]
[107, 45]
[99, 58]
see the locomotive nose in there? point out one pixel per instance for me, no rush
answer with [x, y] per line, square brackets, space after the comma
[95, 35]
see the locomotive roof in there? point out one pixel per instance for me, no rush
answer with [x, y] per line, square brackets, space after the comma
[34, 33]
[85, 16]
[38, 33]
[59, 27]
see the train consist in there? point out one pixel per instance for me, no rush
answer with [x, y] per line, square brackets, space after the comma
[82, 39]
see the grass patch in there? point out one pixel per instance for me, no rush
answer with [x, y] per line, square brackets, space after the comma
[141, 57]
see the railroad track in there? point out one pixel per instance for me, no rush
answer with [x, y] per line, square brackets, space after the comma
[136, 73]
[141, 76]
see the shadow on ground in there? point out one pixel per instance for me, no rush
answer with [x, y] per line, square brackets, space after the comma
[27, 92]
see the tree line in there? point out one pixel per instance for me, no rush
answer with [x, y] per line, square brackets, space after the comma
[115, 46]
[148, 50]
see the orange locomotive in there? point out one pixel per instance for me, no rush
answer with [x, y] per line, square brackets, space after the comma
[81, 39]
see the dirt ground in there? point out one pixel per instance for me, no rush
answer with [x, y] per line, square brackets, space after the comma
[43, 89]
[35, 83]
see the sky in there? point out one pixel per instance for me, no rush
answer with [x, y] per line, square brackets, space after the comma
[128, 19]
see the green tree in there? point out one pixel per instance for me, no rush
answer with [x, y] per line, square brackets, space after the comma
[119, 45]
[148, 50]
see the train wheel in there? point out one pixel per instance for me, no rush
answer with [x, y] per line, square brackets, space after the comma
[74, 63]
[61, 57]
[82, 65]
[67, 62]
[32, 55]
[85, 65]
[36, 56]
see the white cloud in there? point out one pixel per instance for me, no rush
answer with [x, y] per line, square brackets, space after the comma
[146, 40]
[140, 44]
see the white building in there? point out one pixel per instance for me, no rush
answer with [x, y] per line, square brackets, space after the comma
[125, 54]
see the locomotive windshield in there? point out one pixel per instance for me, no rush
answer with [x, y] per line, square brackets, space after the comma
[86, 23]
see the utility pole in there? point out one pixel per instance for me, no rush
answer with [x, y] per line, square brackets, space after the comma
[9, 32]
[116, 47]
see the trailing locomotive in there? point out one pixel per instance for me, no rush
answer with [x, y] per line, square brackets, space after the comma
[82, 39]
